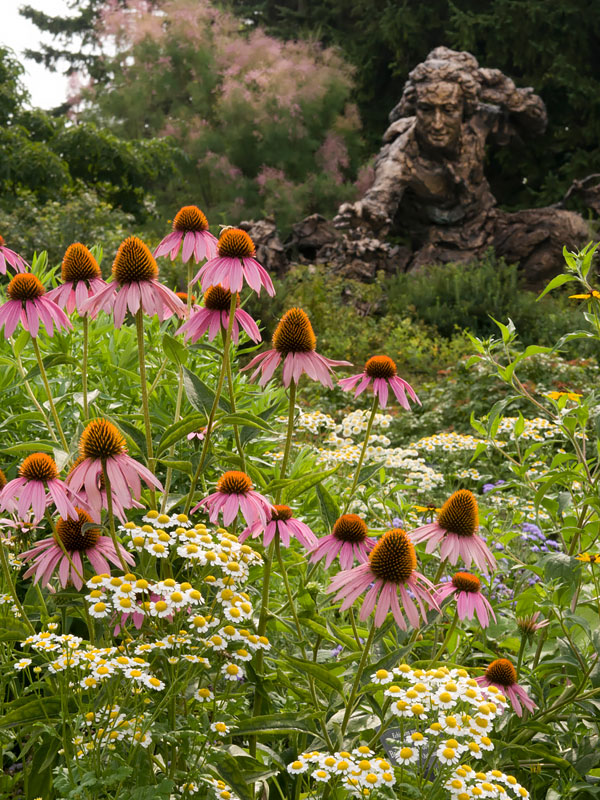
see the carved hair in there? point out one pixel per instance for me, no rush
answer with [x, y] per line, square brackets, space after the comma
[442, 64]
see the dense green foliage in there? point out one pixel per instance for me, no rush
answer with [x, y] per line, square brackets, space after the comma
[47, 164]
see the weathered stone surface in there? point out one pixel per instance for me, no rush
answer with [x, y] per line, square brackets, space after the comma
[269, 248]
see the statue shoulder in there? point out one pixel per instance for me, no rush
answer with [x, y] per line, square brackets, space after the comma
[401, 127]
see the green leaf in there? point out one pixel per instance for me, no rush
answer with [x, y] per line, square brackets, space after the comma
[299, 486]
[559, 280]
[40, 445]
[23, 711]
[274, 724]
[175, 351]
[245, 418]
[228, 769]
[329, 508]
[321, 673]
[178, 430]
[367, 472]
[248, 433]
[561, 567]
[201, 397]
[180, 466]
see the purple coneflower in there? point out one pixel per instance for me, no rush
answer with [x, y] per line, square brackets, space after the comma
[27, 302]
[214, 316]
[135, 286]
[235, 263]
[455, 529]
[282, 521]
[469, 600]
[390, 571]
[81, 278]
[8, 256]
[503, 676]
[102, 443]
[190, 227]
[37, 487]
[47, 555]
[95, 513]
[294, 341]
[529, 625]
[382, 371]
[349, 538]
[235, 493]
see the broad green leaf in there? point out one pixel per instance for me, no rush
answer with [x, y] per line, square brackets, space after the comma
[274, 724]
[299, 486]
[559, 280]
[178, 430]
[23, 711]
[329, 508]
[201, 397]
[175, 351]
[181, 466]
[245, 418]
[321, 673]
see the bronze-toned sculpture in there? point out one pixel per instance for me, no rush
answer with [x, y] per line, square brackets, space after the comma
[430, 184]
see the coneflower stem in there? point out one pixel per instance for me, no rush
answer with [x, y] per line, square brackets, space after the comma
[111, 517]
[168, 479]
[84, 364]
[139, 326]
[215, 405]
[357, 677]
[53, 411]
[363, 452]
[236, 432]
[288, 438]
[34, 398]
[11, 587]
[444, 644]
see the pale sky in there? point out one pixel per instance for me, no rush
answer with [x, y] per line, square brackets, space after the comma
[47, 89]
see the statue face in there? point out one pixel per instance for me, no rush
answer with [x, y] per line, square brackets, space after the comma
[439, 114]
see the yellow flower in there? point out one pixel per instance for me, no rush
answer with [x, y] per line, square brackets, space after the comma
[586, 296]
[424, 509]
[570, 395]
[589, 558]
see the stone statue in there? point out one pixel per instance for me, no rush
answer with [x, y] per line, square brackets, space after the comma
[430, 187]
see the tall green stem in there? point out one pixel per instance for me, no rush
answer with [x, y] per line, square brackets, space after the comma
[444, 644]
[111, 518]
[53, 411]
[288, 437]
[215, 405]
[357, 677]
[169, 477]
[84, 365]
[12, 589]
[139, 326]
[33, 398]
[236, 430]
[363, 452]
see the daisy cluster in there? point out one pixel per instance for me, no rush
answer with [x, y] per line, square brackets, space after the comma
[447, 713]
[128, 596]
[313, 422]
[448, 442]
[360, 772]
[465, 784]
[88, 667]
[195, 544]
[523, 510]
[107, 726]
[537, 429]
